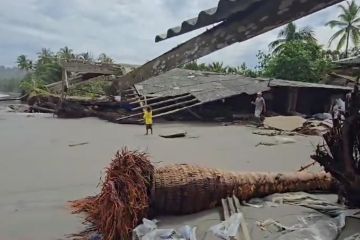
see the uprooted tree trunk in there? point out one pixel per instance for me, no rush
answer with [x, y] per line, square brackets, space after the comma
[133, 189]
[341, 154]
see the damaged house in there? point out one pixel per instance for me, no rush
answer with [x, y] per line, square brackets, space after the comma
[187, 95]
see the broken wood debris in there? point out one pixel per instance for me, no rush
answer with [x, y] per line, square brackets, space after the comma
[78, 144]
[232, 206]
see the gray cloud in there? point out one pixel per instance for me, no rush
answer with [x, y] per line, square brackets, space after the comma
[124, 29]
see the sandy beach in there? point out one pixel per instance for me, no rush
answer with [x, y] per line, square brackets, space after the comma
[39, 172]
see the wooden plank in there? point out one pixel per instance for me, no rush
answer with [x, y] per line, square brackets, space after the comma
[261, 17]
[243, 223]
[154, 98]
[232, 212]
[85, 67]
[231, 206]
[176, 110]
[225, 208]
[165, 101]
[159, 109]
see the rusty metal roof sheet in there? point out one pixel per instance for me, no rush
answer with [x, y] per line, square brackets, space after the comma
[224, 10]
[208, 87]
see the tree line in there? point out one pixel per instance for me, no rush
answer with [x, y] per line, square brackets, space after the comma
[46, 68]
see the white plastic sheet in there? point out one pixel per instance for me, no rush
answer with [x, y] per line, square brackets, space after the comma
[229, 228]
[149, 231]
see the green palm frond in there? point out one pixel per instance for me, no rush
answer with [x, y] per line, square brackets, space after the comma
[336, 35]
[336, 23]
[341, 42]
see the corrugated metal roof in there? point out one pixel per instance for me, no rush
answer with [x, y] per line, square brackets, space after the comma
[208, 87]
[350, 60]
[285, 83]
[224, 10]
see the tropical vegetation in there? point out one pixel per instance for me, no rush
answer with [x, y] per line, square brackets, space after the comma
[347, 24]
[46, 68]
[292, 33]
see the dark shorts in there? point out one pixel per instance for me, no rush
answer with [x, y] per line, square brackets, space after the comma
[148, 126]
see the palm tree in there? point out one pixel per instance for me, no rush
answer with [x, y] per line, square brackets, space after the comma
[86, 56]
[103, 58]
[291, 33]
[24, 63]
[348, 22]
[45, 56]
[66, 54]
[217, 67]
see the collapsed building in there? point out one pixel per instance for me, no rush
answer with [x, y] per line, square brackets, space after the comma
[186, 94]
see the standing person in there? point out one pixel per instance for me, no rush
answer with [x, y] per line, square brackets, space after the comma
[335, 113]
[260, 107]
[148, 119]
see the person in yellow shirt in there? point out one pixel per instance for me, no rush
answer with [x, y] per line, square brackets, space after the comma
[148, 119]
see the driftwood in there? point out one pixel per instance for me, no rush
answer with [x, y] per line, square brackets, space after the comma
[341, 154]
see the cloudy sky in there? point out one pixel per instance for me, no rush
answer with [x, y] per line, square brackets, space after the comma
[124, 29]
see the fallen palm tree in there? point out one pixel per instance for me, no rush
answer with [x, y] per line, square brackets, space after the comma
[134, 189]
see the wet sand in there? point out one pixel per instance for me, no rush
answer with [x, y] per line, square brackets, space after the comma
[39, 172]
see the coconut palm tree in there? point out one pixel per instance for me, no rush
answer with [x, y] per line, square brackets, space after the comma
[24, 63]
[291, 33]
[66, 54]
[103, 58]
[45, 56]
[348, 24]
[217, 67]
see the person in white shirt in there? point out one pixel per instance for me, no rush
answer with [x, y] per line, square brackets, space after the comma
[260, 107]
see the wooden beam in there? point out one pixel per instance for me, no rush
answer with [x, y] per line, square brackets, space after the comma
[165, 101]
[85, 67]
[261, 17]
[176, 110]
[225, 208]
[159, 109]
[156, 98]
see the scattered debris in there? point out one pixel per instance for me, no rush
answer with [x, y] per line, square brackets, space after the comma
[356, 236]
[306, 166]
[322, 116]
[274, 133]
[132, 183]
[284, 123]
[78, 144]
[233, 218]
[148, 230]
[298, 199]
[277, 140]
[173, 134]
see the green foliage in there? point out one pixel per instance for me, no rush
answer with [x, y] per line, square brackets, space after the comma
[292, 33]
[30, 83]
[219, 67]
[92, 89]
[24, 63]
[296, 61]
[65, 54]
[347, 25]
[47, 69]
